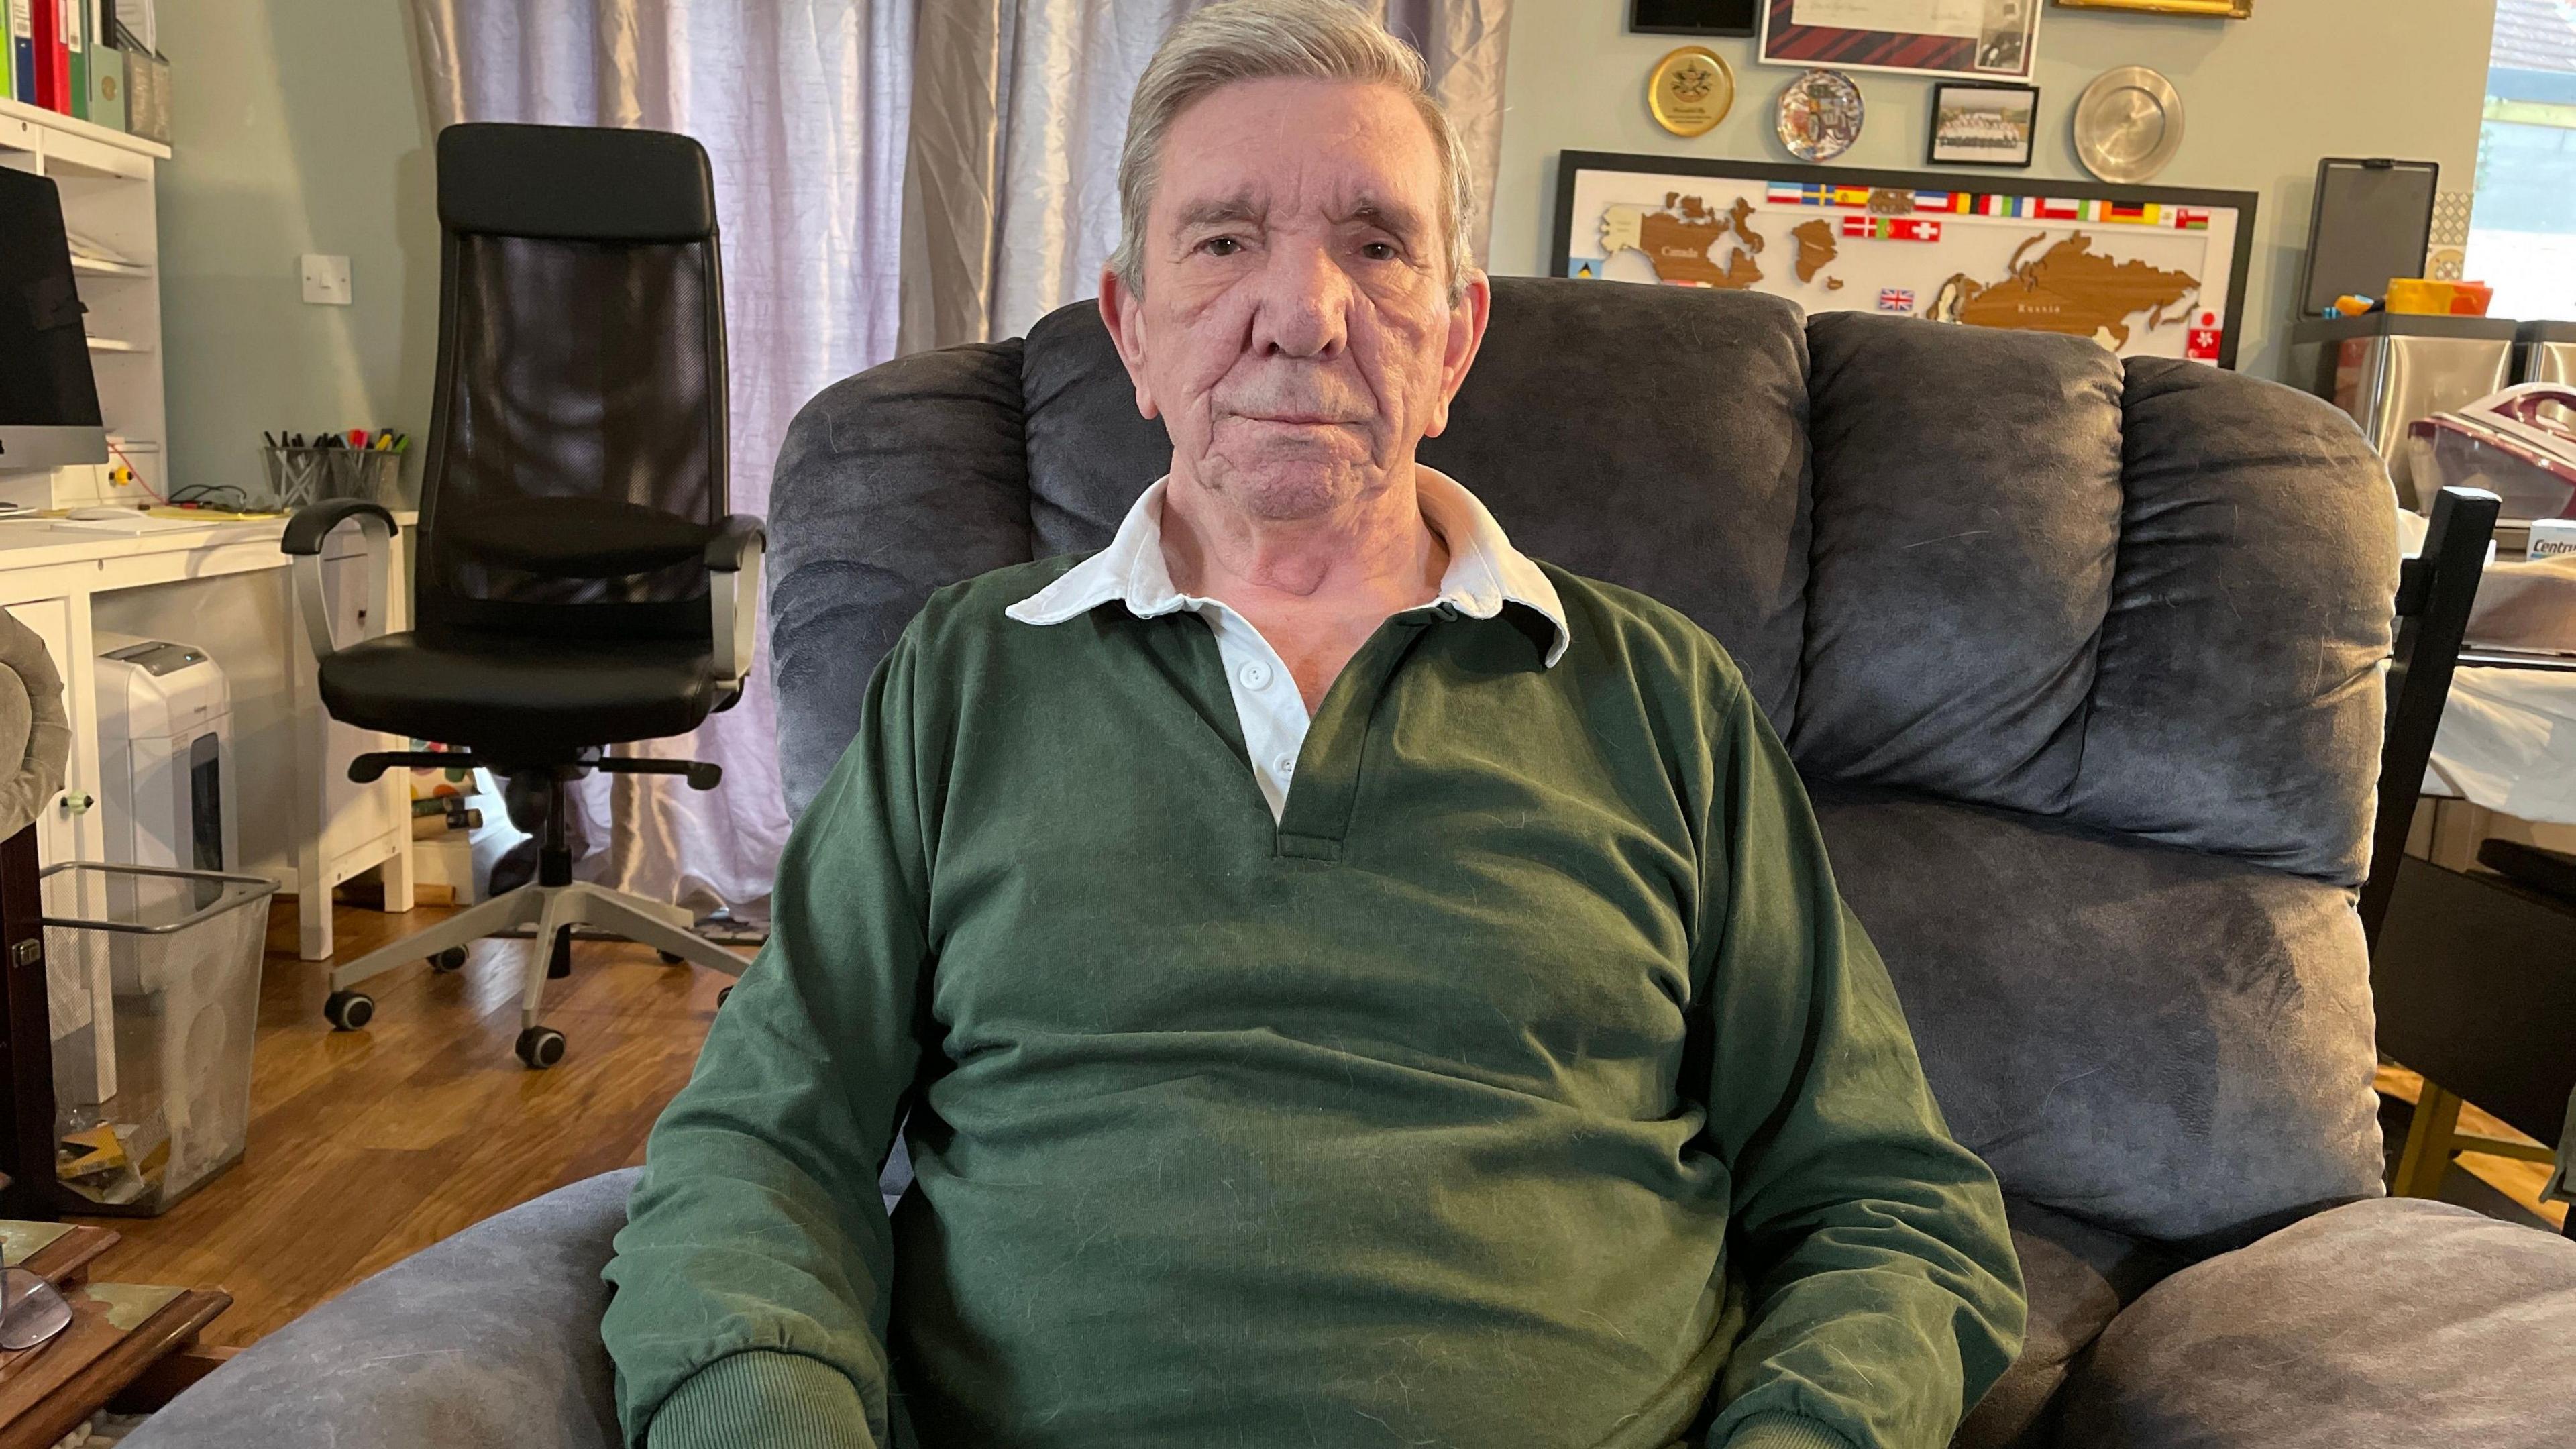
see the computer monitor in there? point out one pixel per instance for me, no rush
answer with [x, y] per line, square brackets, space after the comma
[48, 397]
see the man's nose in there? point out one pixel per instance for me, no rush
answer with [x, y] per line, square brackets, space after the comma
[1303, 306]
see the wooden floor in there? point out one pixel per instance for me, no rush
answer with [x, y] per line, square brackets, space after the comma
[367, 1146]
[2517, 1178]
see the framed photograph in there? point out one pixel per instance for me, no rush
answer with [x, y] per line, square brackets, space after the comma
[2144, 271]
[1970, 39]
[1982, 125]
[1693, 17]
[2219, 9]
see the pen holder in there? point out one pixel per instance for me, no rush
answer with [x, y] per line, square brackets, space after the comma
[298, 476]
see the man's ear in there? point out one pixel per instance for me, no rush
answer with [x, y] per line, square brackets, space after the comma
[1122, 311]
[1458, 352]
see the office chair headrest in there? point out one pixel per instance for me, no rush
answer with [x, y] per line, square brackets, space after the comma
[575, 183]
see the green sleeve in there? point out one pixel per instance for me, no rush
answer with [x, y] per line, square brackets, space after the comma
[1883, 1296]
[751, 1276]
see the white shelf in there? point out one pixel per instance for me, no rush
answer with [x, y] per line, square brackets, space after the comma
[56, 121]
[108, 195]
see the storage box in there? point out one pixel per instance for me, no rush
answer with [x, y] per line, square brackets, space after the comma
[106, 86]
[181, 953]
[147, 95]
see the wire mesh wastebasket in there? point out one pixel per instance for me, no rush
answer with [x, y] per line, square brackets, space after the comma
[152, 1078]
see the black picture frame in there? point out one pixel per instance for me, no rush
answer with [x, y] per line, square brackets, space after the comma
[2029, 142]
[1570, 164]
[1694, 17]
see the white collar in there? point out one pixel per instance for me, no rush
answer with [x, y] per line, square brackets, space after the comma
[1485, 571]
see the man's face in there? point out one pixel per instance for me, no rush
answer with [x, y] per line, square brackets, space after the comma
[1294, 330]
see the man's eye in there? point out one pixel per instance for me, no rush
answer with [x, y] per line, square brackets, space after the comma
[1378, 251]
[1221, 246]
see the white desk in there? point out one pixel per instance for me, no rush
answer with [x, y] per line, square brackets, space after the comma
[224, 588]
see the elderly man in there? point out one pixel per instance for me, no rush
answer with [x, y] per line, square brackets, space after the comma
[1350, 984]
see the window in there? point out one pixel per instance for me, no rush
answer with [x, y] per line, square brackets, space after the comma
[2522, 237]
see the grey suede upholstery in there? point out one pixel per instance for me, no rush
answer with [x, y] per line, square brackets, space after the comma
[2397, 1324]
[2175, 1045]
[2080, 660]
[489, 1340]
[1963, 556]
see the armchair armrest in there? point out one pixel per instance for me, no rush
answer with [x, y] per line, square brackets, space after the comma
[489, 1340]
[303, 542]
[2390, 1321]
[736, 551]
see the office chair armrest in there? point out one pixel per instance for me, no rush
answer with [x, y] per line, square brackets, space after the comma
[313, 522]
[737, 549]
[303, 543]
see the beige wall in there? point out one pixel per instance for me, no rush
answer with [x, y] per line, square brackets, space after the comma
[298, 127]
[2263, 99]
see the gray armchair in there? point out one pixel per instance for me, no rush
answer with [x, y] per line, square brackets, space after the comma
[2081, 660]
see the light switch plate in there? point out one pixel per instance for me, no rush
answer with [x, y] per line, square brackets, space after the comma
[326, 279]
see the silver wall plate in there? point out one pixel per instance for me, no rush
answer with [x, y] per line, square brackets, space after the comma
[2128, 125]
[1820, 115]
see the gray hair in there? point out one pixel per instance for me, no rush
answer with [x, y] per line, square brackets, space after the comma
[1241, 40]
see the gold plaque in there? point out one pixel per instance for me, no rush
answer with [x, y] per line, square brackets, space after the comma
[2216, 9]
[1691, 90]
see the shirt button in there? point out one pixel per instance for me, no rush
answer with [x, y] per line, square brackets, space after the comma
[1255, 675]
[1284, 765]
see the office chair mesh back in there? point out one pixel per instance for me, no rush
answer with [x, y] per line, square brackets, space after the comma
[577, 459]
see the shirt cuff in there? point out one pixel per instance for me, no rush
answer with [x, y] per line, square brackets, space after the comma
[1773, 1431]
[777, 1400]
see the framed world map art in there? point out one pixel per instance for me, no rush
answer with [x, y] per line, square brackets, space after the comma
[2145, 271]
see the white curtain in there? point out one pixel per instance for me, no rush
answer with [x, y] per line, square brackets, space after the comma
[802, 105]
[1018, 111]
[836, 249]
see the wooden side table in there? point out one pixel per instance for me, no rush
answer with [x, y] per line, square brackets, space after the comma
[130, 1345]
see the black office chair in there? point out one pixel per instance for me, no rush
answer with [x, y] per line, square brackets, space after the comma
[580, 583]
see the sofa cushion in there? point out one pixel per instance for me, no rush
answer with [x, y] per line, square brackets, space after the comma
[2174, 1045]
[890, 484]
[2236, 700]
[1090, 453]
[1967, 509]
[2076, 1277]
[1647, 436]
[486, 1340]
[1655, 437]
[2391, 1323]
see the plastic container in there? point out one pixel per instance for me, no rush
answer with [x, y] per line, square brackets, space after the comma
[154, 1087]
[2417, 297]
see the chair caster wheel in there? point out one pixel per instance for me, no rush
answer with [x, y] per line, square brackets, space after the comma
[541, 1047]
[721, 995]
[451, 959]
[349, 1010]
[671, 958]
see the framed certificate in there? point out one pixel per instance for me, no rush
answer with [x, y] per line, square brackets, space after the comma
[1974, 39]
